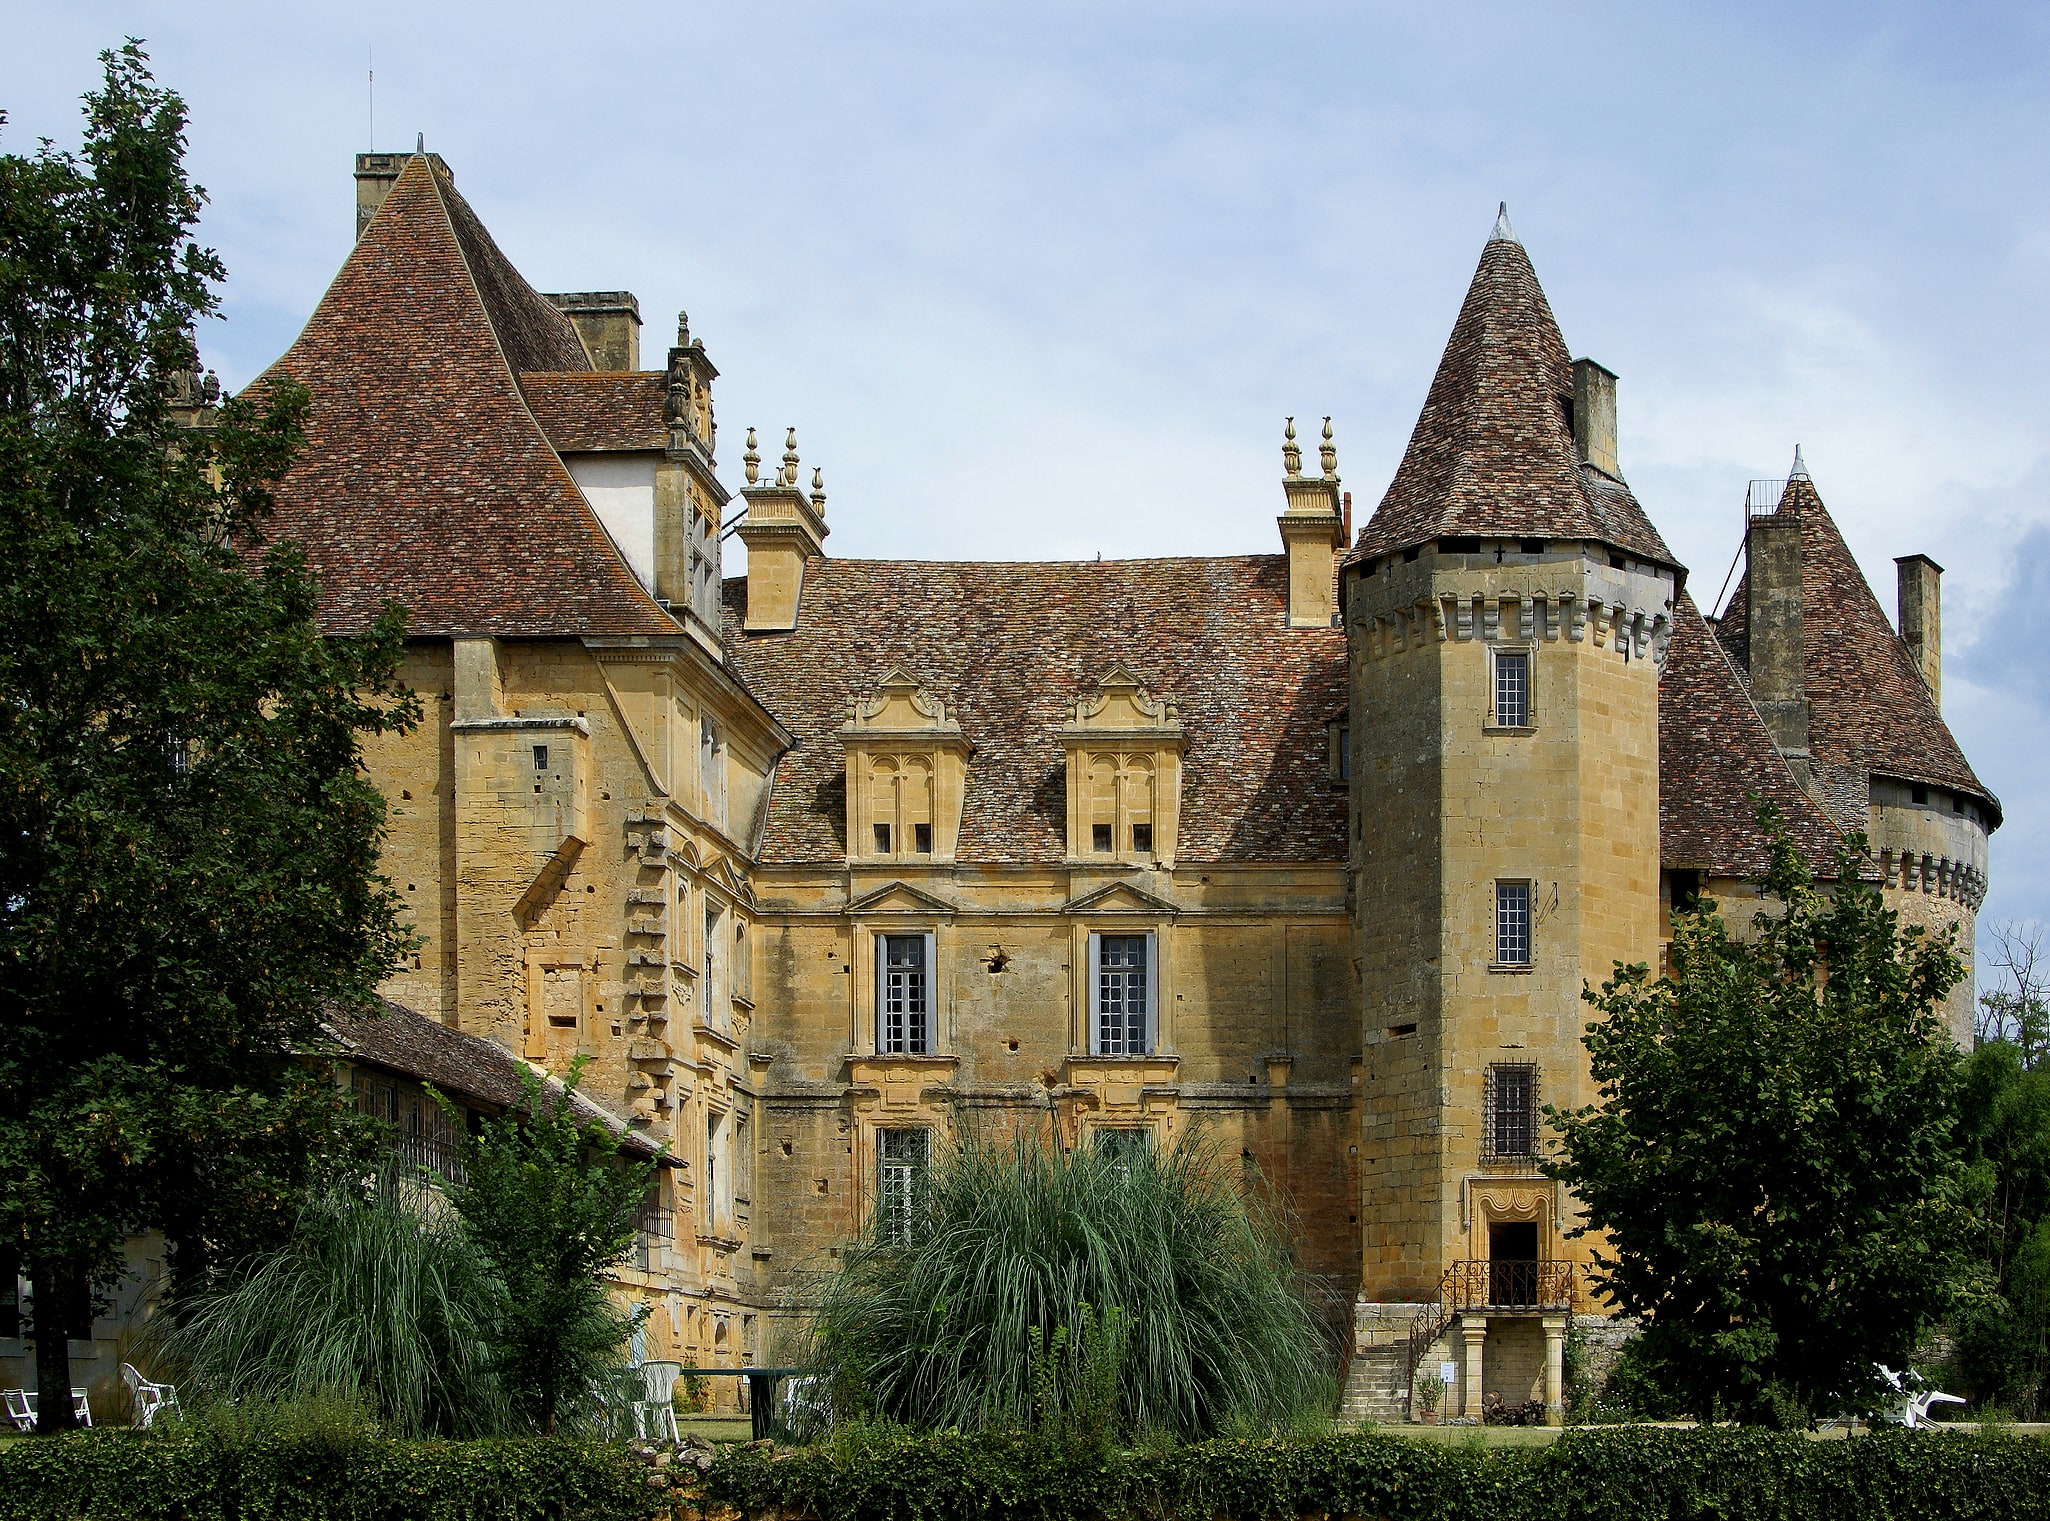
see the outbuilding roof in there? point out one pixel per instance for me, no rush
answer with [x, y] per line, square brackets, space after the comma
[425, 476]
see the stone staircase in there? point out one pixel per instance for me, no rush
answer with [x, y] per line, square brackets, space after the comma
[1377, 1385]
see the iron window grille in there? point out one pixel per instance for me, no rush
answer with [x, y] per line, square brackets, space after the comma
[1512, 689]
[1123, 994]
[1509, 1110]
[903, 996]
[903, 1167]
[1512, 924]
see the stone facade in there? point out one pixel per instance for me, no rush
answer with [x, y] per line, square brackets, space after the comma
[1306, 854]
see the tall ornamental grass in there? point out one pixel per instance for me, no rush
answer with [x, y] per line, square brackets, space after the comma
[379, 1299]
[1140, 1290]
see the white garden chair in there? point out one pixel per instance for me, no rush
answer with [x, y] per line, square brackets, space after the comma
[655, 1411]
[151, 1400]
[1915, 1397]
[20, 1410]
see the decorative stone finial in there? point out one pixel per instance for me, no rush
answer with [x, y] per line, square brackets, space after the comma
[420, 142]
[1503, 232]
[1327, 453]
[1291, 455]
[818, 492]
[788, 475]
[1800, 470]
[683, 330]
[751, 461]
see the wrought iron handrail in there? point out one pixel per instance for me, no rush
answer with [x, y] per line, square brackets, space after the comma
[1496, 1284]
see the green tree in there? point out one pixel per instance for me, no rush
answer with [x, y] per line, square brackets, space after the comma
[1772, 1176]
[2003, 1335]
[1028, 1287]
[551, 1204]
[187, 844]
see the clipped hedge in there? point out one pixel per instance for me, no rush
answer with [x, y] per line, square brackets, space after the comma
[1605, 1475]
[115, 1475]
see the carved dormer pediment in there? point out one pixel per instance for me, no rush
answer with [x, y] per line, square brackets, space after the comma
[907, 773]
[1124, 748]
[1121, 898]
[1121, 704]
[901, 898]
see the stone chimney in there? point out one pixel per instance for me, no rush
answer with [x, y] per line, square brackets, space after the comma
[1772, 612]
[608, 322]
[376, 173]
[1594, 416]
[1312, 530]
[783, 528]
[1921, 617]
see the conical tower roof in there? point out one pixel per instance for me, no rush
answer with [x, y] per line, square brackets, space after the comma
[425, 477]
[1492, 454]
[1868, 707]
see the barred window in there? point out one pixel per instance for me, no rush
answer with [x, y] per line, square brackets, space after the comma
[1512, 688]
[1122, 993]
[1509, 1110]
[1512, 924]
[903, 995]
[903, 1165]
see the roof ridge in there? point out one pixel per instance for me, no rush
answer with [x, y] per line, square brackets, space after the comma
[512, 377]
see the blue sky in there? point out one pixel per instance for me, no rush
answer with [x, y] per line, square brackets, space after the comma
[1042, 280]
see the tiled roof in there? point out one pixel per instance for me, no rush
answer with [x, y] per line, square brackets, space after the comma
[590, 410]
[1868, 707]
[424, 477]
[1492, 453]
[468, 1066]
[1717, 763]
[1011, 646]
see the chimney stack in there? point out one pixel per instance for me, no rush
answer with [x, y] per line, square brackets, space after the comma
[608, 322]
[1772, 611]
[1921, 617]
[1594, 416]
[783, 529]
[1312, 530]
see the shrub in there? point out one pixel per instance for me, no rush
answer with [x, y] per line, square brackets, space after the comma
[378, 1299]
[1144, 1284]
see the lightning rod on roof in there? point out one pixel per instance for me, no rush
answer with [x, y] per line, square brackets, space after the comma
[372, 144]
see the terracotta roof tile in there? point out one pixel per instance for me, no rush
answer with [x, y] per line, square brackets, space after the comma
[1012, 645]
[425, 478]
[595, 410]
[468, 1066]
[1717, 762]
[1492, 453]
[1868, 708]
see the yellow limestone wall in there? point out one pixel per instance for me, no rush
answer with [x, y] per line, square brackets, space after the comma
[1446, 805]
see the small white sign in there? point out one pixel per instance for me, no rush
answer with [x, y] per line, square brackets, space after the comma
[1448, 1374]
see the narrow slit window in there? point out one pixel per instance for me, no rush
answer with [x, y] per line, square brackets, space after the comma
[882, 839]
[1512, 688]
[540, 757]
[905, 1002]
[921, 839]
[1512, 923]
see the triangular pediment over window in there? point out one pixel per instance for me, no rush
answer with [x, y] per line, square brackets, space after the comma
[1120, 898]
[901, 898]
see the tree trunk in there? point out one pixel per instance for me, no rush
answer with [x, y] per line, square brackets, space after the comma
[53, 1351]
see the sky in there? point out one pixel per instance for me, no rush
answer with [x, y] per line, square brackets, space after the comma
[1042, 281]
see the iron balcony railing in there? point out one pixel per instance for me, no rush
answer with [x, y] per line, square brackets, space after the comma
[1490, 1284]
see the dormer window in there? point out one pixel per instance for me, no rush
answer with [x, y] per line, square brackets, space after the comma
[906, 772]
[882, 839]
[1099, 838]
[921, 839]
[1142, 839]
[1124, 751]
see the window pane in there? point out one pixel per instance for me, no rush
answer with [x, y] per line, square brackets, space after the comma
[1512, 688]
[1512, 923]
[1099, 838]
[905, 1021]
[882, 839]
[921, 839]
[903, 1163]
[1142, 838]
[1121, 995]
[1512, 1116]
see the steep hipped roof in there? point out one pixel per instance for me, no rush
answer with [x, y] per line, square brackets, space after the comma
[1492, 453]
[1868, 707]
[468, 1066]
[1011, 646]
[425, 477]
[1717, 762]
[599, 409]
